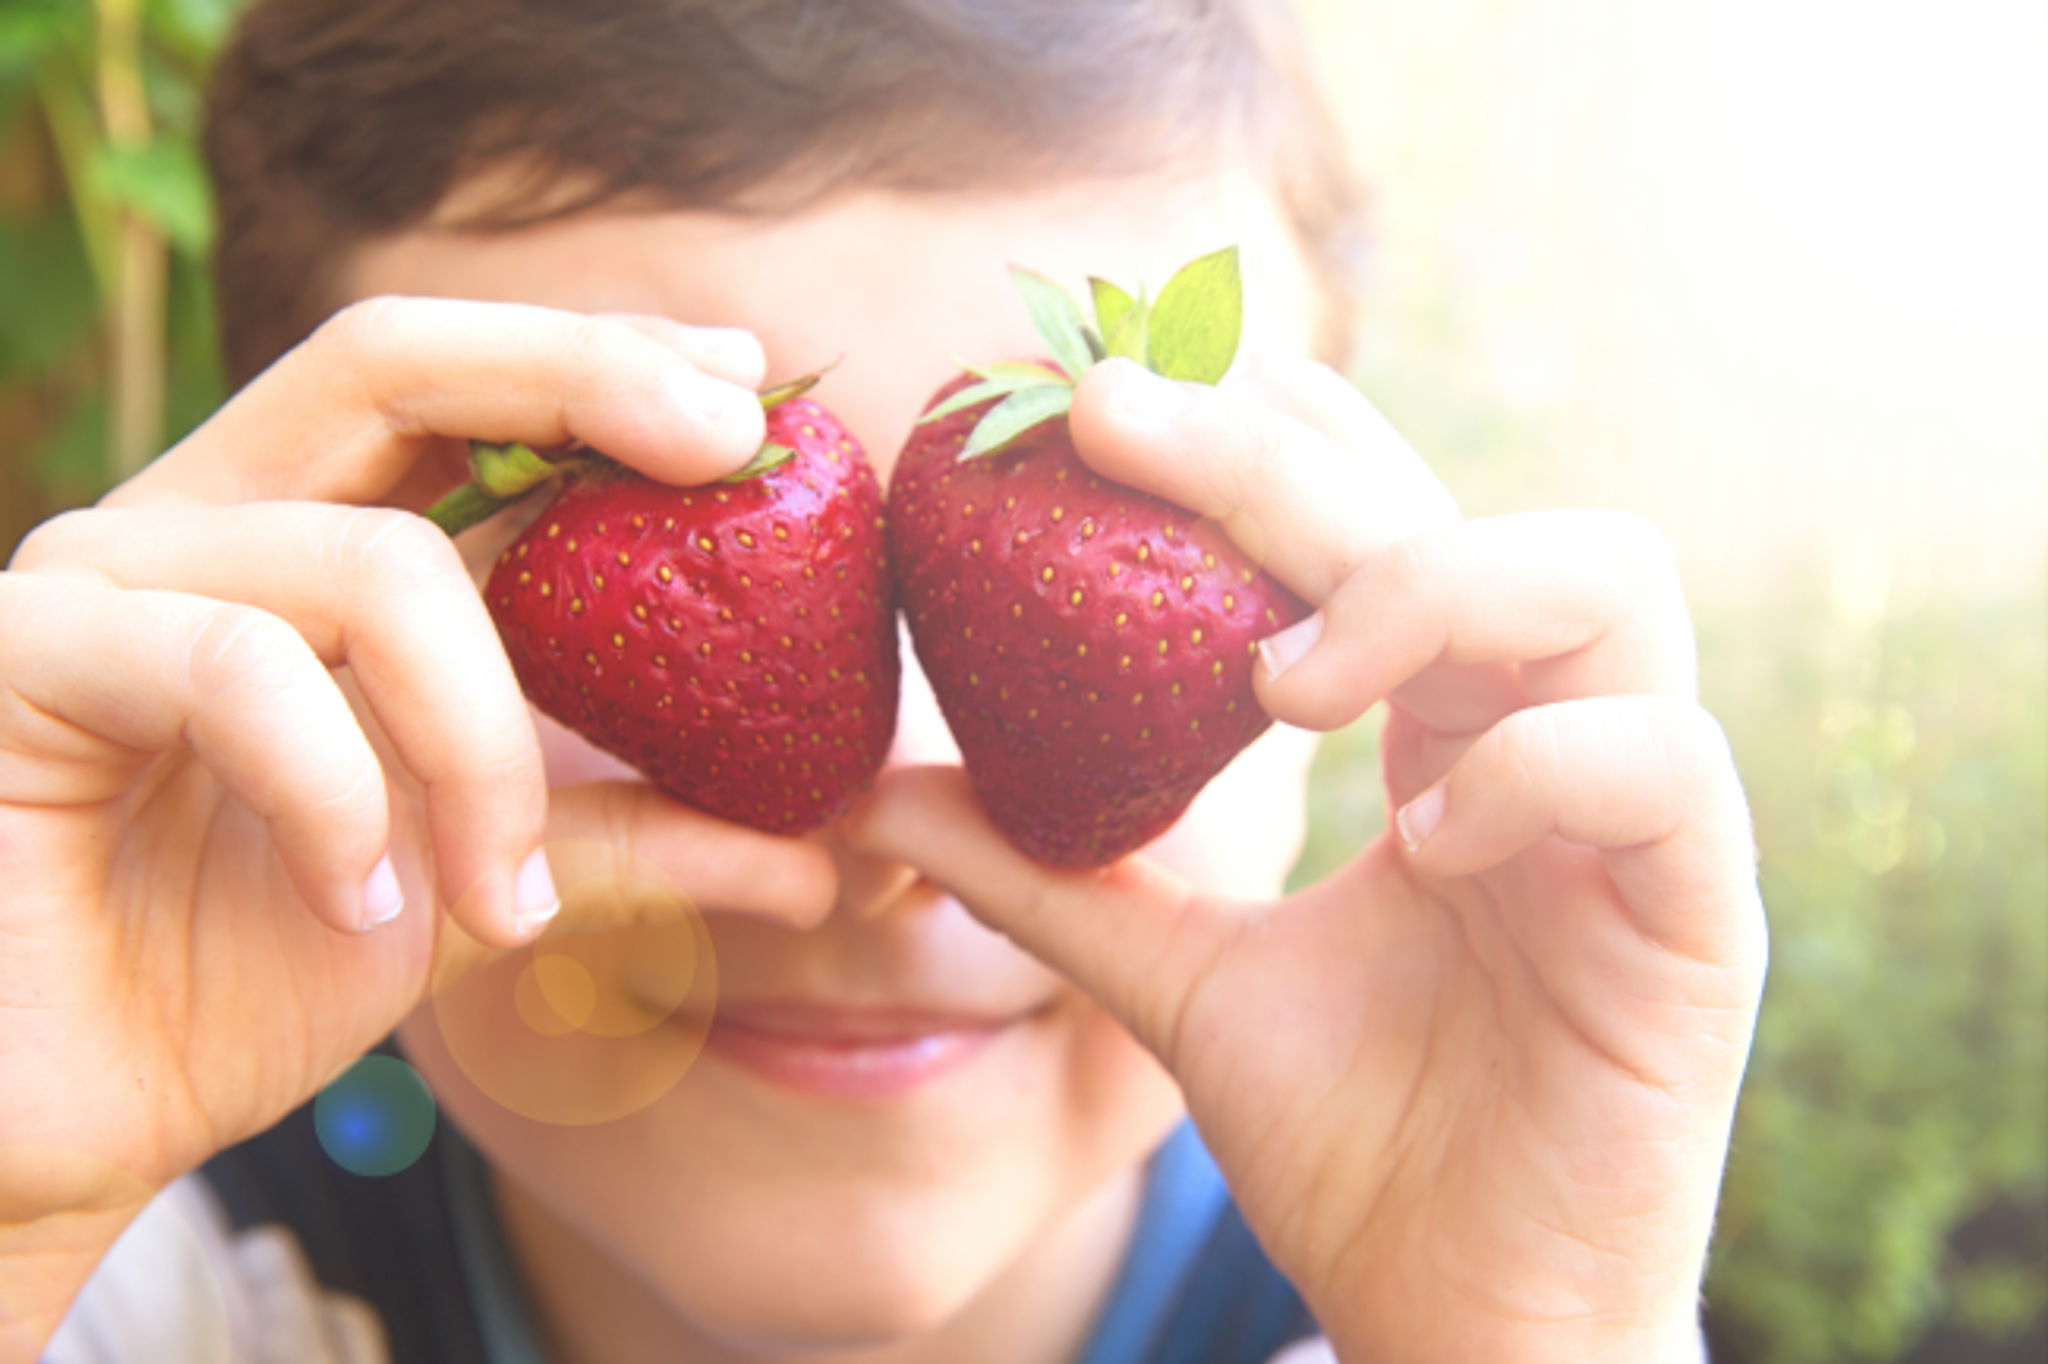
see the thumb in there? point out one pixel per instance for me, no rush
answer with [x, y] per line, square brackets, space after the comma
[623, 855]
[1133, 936]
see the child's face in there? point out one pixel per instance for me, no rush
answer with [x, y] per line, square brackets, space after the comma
[768, 1200]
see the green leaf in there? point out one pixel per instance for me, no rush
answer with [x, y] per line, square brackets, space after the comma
[503, 474]
[1132, 338]
[998, 380]
[510, 469]
[164, 183]
[1199, 318]
[1017, 414]
[966, 397]
[1057, 318]
[1111, 303]
[1029, 371]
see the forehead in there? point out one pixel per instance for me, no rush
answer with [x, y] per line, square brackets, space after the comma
[897, 288]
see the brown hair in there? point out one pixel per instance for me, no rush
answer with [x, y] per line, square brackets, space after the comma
[332, 122]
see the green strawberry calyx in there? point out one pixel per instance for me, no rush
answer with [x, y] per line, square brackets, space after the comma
[1191, 332]
[501, 475]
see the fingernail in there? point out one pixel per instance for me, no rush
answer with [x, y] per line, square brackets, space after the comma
[1419, 817]
[382, 898]
[534, 900]
[1142, 394]
[1282, 651]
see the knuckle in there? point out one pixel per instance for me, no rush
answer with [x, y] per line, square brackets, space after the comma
[506, 761]
[606, 345]
[244, 649]
[1531, 748]
[354, 801]
[363, 341]
[360, 328]
[1697, 776]
[1649, 561]
[1409, 568]
[1698, 744]
[54, 542]
[395, 550]
[1250, 452]
[606, 359]
[1268, 443]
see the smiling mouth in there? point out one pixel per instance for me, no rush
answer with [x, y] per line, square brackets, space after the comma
[849, 1053]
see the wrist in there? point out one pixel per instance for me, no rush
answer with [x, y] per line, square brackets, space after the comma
[60, 1213]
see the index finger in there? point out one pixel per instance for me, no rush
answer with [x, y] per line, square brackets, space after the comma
[1305, 506]
[345, 415]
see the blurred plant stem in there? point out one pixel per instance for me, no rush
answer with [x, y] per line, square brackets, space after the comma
[135, 323]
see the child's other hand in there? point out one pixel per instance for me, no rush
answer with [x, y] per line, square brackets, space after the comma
[194, 823]
[1473, 1093]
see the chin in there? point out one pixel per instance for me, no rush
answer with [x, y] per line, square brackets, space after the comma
[858, 1292]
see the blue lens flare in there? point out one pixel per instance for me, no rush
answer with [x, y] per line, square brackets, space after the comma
[376, 1119]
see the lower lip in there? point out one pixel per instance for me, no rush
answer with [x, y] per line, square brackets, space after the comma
[845, 1069]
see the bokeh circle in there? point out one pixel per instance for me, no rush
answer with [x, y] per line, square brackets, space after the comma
[376, 1118]
[605, 1013]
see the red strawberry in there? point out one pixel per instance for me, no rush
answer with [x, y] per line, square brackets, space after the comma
[1091, 645]
[734, 642]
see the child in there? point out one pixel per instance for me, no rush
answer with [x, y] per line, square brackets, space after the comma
[1470, 1096]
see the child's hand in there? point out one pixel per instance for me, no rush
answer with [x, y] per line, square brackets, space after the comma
[194, 825]
[1473, 1093]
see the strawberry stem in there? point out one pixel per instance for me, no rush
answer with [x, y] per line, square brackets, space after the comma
[466, 506]
[501, 475]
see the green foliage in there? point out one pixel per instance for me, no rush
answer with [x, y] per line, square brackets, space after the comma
[57, 239]
[1899, 779]
[1347, 805]
[1191, 333]
[165, 183]
[1898, 773]
[49, 291]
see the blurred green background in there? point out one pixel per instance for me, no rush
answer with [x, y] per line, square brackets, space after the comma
[1770, 274]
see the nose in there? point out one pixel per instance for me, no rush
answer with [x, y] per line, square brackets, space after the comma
[871, 888]
[922, 739]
